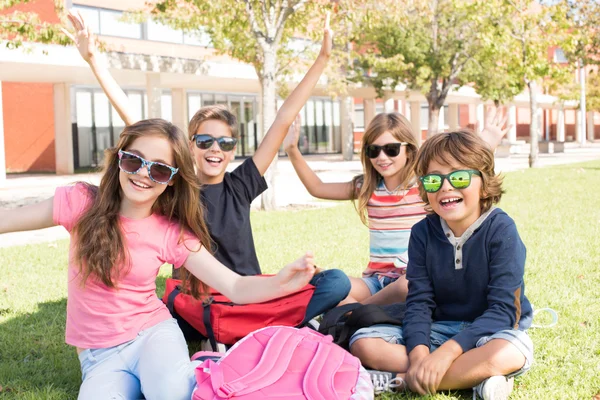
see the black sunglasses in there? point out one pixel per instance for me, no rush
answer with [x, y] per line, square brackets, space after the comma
[205, 141]
[390, 149]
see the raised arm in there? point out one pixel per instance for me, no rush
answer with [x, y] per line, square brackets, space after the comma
[494, 129]
[315, 186]
[86, 44]
[27, 218]
[250, 289]
[270, 144]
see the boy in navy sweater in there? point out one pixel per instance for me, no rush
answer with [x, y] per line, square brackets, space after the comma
[466, 295]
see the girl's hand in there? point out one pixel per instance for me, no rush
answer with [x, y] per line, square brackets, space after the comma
[293, 136]
[83, 37]
[327, 39]
[296, 275]
[494, 129]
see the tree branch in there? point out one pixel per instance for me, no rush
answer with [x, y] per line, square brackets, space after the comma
[260, 36]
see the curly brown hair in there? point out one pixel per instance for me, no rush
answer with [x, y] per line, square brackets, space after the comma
[103, 251]
[464, 147]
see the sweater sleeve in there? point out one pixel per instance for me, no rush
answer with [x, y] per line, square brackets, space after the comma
[420, 301]
[506, 268]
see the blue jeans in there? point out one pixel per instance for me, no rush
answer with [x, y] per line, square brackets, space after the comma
[154, 365]
[331, 287]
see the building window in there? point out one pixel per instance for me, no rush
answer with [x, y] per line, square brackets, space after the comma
[111, 25]
[359, 117]
[559, 56]
[163, 33]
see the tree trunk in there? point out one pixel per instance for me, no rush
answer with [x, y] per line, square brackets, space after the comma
[269, 106]
[347, 128]
[434, 120]
[533, 126]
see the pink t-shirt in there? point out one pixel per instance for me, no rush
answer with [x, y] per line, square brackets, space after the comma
[101, 317]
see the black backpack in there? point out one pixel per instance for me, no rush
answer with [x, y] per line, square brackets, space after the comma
[341, 322]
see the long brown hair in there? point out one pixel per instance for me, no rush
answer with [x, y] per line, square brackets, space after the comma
[466, 148]
[400, 128]
[103, 251]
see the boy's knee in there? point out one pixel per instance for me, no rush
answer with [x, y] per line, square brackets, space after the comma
[506, 358]
[337, 281]
[362, 348]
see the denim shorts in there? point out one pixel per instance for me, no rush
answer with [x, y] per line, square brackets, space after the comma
[377, 282]
[442, 331]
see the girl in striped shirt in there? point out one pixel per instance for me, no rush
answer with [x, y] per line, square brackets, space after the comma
[386, 197]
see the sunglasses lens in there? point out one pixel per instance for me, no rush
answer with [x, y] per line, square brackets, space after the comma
[432, 183]
[130, 163]
[160, 173]
[373, 151]
[204, 141]
[227, 143]
[460, 179]
[392, 149]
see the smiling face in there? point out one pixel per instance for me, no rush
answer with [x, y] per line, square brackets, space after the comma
[460, 208]
[389, 167]
[212, 163]
[138, 190]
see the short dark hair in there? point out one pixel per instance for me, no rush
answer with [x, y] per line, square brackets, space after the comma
[218, 112]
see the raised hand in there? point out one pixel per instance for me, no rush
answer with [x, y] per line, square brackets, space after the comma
[83, 37]
[293, 136]
[494, 129]
[327, 39]
[296, 275]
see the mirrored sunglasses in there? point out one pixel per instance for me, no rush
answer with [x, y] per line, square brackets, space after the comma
[460, 179]
[205, 141]
[158, 172]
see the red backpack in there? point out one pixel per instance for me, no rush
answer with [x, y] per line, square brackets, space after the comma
[220, 320]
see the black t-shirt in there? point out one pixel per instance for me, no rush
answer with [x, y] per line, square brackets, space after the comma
[228, 217]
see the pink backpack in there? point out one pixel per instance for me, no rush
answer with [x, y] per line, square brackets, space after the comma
[284, 363]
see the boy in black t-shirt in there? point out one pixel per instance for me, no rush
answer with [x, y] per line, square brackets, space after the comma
[227, 196]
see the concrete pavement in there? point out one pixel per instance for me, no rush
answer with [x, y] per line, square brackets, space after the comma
[23, 189]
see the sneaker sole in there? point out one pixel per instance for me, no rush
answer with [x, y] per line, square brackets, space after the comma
[501, 388]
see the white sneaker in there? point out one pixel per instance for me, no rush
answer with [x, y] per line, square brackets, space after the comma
[494, 388]
[385, 381]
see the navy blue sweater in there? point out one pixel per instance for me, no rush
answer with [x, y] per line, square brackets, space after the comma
[488, 290]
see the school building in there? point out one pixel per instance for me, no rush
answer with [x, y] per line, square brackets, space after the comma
[54, 116]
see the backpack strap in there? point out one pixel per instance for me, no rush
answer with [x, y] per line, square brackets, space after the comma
[207, 324]
[273, 363]
[332, 318]
[171, 299]
[318, 380]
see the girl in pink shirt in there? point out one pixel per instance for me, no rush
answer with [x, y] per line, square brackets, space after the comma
[143, 214]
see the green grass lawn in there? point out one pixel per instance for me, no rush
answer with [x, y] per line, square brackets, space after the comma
[558, 215]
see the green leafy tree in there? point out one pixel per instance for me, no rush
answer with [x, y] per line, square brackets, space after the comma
[256, 32]
[533, 29]
[427, 45]
[18, 27]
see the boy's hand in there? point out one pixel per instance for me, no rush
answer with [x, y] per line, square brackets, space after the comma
[293, 136]
[327, 39]
[494, 129]
[425, 377]
[296, 275]
[83, 37]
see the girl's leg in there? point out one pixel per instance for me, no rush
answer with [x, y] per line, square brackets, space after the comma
[395, 292]
[164, 366]
[106, 377]
[359, 290]
[331, 287]
[496, 357]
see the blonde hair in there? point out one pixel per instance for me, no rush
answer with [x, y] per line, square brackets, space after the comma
[466, 148]
[218, 112]
[401, 129]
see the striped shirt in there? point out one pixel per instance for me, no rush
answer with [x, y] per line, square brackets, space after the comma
[391, 217]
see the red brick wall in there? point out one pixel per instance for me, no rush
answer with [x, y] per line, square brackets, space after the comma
[43, 8]
[28, 110]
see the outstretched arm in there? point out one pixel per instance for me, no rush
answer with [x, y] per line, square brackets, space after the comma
[315, 186]
[28, 218]
[250, 289]
[86, 44]
[269, 146]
